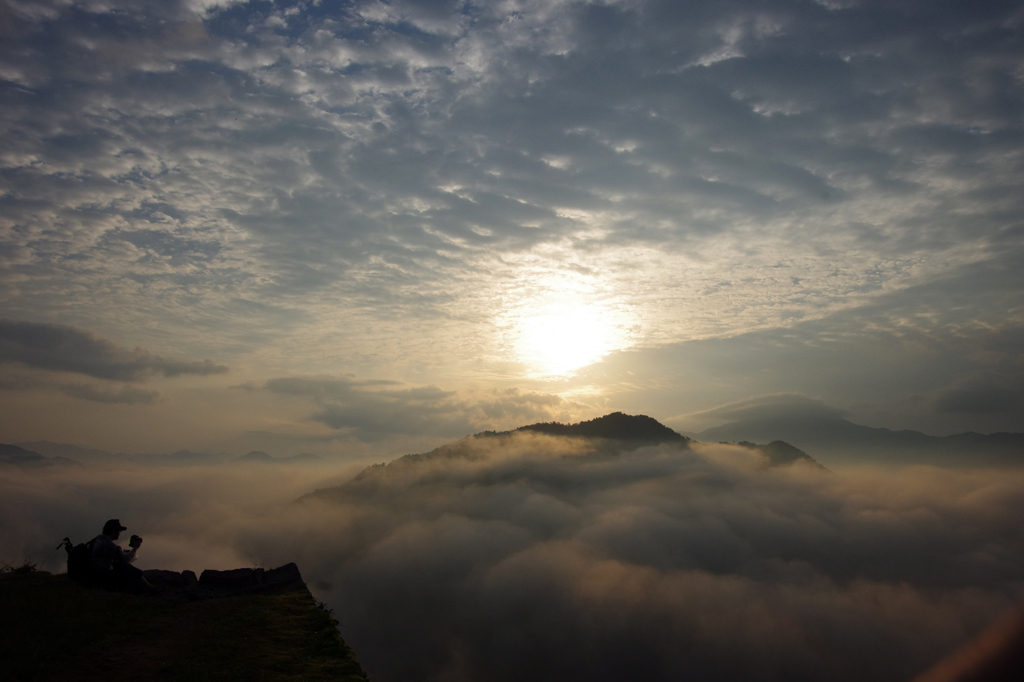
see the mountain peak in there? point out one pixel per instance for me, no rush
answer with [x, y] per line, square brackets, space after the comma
[617, 426]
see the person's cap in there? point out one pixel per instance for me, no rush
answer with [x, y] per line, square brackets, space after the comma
[113, 524]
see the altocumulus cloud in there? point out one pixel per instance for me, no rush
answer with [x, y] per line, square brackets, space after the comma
[374, 409]
[764, 162]
[532, 557]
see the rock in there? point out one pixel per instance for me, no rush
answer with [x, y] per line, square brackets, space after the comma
[234, 580]
[160, 578]
[282, 579]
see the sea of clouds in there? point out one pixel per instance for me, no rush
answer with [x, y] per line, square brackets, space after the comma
[533, 557]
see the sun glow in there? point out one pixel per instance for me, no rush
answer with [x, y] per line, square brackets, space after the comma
[562, 340]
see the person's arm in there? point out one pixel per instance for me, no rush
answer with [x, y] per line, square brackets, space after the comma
[134, 543]
[129, 556]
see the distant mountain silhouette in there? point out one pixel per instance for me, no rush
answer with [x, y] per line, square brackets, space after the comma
[833, 436]
[617, 426]
[781, 453]
[94, 455]
[256, 456]
[78, 454]
[303, 457]
[12, 454]
[260, 456]
[75, 452]
[18, 456]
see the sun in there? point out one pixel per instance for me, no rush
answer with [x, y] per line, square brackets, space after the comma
[559, 341]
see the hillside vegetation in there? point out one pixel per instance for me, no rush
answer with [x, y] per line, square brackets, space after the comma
[53, 629]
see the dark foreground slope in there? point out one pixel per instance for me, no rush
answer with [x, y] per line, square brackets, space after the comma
[52, 629]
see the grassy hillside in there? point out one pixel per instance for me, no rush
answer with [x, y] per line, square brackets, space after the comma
[52, 629]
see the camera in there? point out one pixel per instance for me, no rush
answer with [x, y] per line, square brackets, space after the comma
[135, 541]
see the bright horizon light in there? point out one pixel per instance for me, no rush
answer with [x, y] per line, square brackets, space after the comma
[563, 340]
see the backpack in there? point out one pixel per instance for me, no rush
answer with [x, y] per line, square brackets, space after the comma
[79, 560]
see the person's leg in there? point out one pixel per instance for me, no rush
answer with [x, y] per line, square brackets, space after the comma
[104, 580]
[127, 578]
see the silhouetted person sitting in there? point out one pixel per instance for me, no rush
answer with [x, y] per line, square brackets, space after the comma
[112, 566]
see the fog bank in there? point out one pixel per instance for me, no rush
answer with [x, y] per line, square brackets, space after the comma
[536, 557]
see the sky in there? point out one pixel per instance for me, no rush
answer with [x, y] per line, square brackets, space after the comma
[354, 228]
[366, 229]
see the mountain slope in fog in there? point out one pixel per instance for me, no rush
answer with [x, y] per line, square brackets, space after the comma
[530, 556]
[831, 435]
[615, 426]
[780, 453]
[548, 455]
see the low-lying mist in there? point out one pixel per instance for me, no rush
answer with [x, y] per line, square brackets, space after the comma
[535, 557]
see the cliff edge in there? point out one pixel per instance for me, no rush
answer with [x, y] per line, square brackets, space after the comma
[246, 624]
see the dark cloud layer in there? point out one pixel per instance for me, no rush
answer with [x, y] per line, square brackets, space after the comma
[530, 557]
[982, 394]
[64, 348]
[127, 394]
